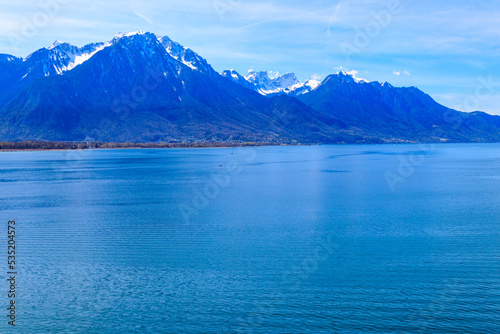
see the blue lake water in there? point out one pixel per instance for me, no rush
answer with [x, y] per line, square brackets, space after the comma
[313, 239]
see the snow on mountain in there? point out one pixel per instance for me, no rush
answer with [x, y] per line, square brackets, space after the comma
[50, 96]
[350, 77]
[263, 83]
[55, 44]
[129, 34]
[235, 75]
[237, 78]
[286, 81]
[60, 57]
[186, 56]
[5, 58]
[304, 88]
[266, 85]
[288, 84]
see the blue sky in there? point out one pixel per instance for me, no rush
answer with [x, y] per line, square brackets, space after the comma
[448, 49]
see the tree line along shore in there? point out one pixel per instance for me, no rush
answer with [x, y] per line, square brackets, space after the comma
[59, 145]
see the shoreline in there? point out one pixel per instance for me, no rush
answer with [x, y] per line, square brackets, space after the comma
[138, 146]
[81, 146]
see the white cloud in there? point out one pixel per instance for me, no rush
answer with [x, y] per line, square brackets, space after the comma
[353, 73]
[406, 73]
[346, 70]
[396, 72]
[333, 18]
[138, 14]
[316, 77]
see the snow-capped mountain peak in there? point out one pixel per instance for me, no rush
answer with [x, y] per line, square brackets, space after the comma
[303, 88]
[350, 77]
[266, 84]
[186, 56]
[235, 75]
[287, 80]
[253, 76]
[237, 78]
[60, 57]
[129, 34]
[311, 83]
[55, 44]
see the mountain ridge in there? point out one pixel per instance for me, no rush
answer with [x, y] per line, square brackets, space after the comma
[143, 88]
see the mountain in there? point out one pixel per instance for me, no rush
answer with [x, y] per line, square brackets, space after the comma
[238, 78]
[266, 86]
[303, 88]
[186, 56]
[59, 57]
[262, 83]
[398, 114]
[140, 87]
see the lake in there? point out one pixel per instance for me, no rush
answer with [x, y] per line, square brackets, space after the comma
[304, 239]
